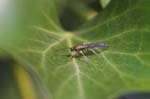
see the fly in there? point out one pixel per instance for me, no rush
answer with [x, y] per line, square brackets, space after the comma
[86, 47]
[83, 48]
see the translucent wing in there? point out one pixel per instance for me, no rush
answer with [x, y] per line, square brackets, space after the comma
[96, 45]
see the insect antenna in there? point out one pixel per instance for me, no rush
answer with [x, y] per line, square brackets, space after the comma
[62, 48]
[53, 38]
[58, 40]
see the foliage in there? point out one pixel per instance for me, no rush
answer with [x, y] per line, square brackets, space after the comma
[123, 67]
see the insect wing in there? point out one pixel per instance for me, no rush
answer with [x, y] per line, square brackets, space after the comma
[97, 45]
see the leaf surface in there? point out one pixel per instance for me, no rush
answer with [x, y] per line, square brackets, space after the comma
[123, 67]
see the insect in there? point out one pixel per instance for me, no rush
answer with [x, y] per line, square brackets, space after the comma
[86, 47]
[83, 48]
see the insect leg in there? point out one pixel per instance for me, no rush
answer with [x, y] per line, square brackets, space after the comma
[71, 54]
[93, 52]
[83, 55]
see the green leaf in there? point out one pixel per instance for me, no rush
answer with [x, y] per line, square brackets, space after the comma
[104, 3]
[121, 68]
